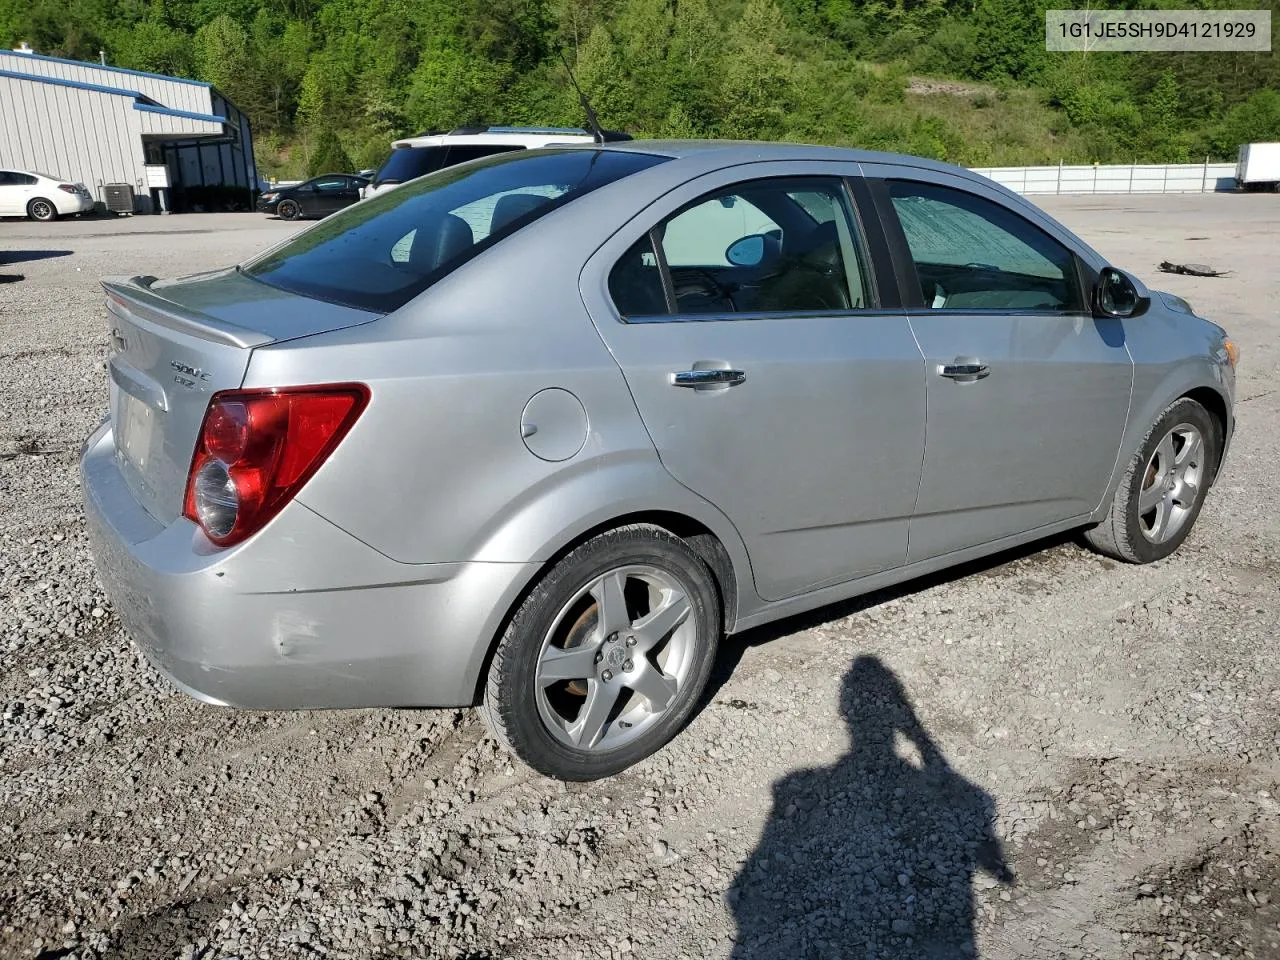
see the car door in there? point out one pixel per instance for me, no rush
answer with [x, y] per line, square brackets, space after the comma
[1027, 393]
[351, 194]
[329, 195]
[12, 195]
[773, 380]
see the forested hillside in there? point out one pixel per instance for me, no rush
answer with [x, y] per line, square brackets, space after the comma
[967, 81]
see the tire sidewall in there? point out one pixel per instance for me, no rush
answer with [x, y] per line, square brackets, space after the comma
[516, 694]
[295, 211]
[1183, 411]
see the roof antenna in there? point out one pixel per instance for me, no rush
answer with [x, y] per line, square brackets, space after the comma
[593, 121]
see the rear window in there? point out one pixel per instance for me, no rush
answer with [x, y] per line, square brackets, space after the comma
[384, 251]
[409, 163]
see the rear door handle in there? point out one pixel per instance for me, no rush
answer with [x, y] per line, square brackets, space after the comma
[964, 370]
[707, 378]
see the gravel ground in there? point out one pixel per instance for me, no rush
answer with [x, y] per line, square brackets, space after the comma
[1050, 755]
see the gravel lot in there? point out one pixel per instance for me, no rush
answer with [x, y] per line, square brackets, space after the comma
[1048, 756]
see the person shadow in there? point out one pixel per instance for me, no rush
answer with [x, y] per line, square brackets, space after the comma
[874, 856]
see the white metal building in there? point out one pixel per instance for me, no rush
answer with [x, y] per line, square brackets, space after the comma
[102, 125]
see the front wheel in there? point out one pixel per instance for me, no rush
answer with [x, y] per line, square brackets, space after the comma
[606, 658]
[1163, 488]
[42, 210]
[288, 210]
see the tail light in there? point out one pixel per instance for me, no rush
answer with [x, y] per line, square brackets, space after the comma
[258, 447]
[67, 188]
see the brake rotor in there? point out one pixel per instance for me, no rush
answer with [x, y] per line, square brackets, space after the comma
[579, 633]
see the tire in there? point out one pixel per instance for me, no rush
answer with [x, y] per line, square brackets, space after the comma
[574, 727]
[288, 210]
[43, 210]
[1173, 469]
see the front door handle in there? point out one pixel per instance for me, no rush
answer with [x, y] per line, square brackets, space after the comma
[707, 378]
[964, 370]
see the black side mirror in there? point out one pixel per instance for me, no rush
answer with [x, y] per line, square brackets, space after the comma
[1115, 296]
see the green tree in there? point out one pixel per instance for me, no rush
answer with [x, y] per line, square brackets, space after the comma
[756, 90]
[328, 156]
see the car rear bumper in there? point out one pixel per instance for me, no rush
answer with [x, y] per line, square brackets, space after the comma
[300, 616]
[70, 204]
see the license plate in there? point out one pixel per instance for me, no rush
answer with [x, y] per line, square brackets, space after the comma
[137, 429]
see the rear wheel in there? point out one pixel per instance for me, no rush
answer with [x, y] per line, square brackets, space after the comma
[42, 209]
[288, 210]
[606, 658]
[1163, 488]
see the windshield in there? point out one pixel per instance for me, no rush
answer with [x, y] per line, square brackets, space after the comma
[384, 251]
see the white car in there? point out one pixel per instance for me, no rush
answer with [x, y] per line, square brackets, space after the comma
[425, 153]
[25, 193]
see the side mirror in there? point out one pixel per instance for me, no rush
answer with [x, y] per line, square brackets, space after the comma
[1116, 297]
[747, 252]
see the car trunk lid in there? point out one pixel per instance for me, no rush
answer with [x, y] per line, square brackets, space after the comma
[173, 345]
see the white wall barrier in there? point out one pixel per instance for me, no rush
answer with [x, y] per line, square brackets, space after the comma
[1117, 178]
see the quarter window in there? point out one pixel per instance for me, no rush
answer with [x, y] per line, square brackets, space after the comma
[766, 246]
[972, 254]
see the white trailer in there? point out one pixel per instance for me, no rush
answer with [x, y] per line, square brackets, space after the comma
[1258, 166]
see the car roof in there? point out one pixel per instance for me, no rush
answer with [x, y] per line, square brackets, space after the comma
[536, 136]
[747, 151]
[727, 153]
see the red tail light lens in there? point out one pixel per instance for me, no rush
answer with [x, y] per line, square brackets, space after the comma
[258, 447]
[67, 188]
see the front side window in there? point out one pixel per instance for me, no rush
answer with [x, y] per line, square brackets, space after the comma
[765, 246]
[973, 254]
[330, 184]
[379, 254]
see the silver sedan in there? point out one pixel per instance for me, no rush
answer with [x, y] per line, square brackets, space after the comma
[534, 432]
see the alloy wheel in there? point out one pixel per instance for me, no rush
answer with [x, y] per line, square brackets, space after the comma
[1171, 483]
[615, 658]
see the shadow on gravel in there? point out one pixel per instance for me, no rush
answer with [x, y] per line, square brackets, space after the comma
[875, 855]
[26, 256]
[167, 929]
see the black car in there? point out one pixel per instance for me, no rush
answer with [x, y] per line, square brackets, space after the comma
[317, 197]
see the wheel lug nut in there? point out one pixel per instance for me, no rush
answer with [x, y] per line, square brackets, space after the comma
[628, 666]
[613, 638]
[607, 675]
[631, 641]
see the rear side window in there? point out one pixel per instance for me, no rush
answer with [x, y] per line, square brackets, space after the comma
[972, 254]
[379, 254]
[409, 163]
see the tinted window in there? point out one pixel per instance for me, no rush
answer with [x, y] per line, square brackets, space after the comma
[409, 163]
[461, 154]
[636, 282]
[330, 184]
[379, 254]
[767, 246]
[971, 253]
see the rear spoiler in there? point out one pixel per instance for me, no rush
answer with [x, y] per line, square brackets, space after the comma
[134, 296]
